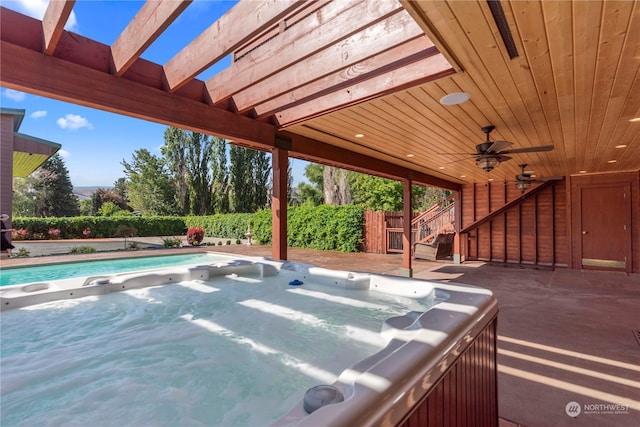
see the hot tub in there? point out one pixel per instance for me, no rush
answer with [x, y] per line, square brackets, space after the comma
[404, 351]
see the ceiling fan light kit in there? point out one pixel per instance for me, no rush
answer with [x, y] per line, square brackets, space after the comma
[487, 163]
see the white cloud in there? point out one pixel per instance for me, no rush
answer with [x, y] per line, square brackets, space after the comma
[36, 9]
[15, 95]
[64, 153]
[38, 114]
[73, 122]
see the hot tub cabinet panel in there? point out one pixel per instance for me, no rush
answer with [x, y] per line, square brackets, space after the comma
[466, 395]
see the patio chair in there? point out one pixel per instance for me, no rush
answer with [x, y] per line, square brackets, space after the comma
[440, 248]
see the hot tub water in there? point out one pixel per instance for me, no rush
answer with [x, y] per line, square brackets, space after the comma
[231, 351]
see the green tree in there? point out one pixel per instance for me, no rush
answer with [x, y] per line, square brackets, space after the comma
[54, 191]
[174, 150]
[199, 161]
[24, 196]
[149, 184]
[381, 194]
[312, 194]
[220, 177]
[249, 176]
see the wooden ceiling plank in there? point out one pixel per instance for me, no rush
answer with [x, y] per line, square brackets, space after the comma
[55, 18]
[32, 72]
[396, 57]
[615, 24]
[245, 20]
[303, 45]
[412, 75]
[586, 29]
[558, 23]
[624, 99]
[531, 28]
[150, 21]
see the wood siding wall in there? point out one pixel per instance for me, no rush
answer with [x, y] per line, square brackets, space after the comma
[533, 232]
[467, 395]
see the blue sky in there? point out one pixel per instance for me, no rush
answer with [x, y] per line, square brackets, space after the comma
[95, 142]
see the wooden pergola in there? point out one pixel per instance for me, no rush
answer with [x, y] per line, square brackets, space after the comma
[357, 84]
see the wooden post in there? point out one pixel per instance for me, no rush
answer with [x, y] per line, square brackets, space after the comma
[406, 228]
[280, 165]
[457, 240]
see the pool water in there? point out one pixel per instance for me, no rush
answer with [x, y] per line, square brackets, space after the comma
[46, 273]
[233, 351]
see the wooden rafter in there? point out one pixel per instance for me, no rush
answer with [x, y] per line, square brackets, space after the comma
[397, 57]
[55, 18]
[152, 19]
[244, 21]
[317, 40]
[413, 74]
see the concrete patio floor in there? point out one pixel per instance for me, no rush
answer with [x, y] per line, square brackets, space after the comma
[564, 336]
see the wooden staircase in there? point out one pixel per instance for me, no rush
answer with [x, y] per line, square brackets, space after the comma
[440, 218]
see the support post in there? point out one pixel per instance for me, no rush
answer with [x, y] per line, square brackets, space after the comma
[457, 240]
[280, 166]
[406, 228]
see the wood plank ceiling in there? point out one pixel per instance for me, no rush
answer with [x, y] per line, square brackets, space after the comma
[315, 74]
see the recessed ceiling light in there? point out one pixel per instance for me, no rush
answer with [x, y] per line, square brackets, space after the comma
[621, 146]
[583, 171]
[463, 176]
[455, 98]
[612, 161]
[490, 179]
[410, 155]
[359, 135]
[441, 167]
[635, 119]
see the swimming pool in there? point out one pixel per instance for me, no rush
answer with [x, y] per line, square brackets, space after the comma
[240, 342]
[40, 273]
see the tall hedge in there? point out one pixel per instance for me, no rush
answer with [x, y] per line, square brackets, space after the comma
[72, 227]
[323, 227]
[228, 226]
[337, 228]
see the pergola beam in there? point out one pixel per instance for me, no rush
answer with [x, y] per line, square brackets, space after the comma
[315, 151]
[318, 41]
[150, 21]
[244, 21]
[408, 52]
[55, 18]
[434, 67]
[30, 71]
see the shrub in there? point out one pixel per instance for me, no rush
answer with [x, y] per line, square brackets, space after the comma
[133, 246]
[83, 250]
[21, 253]
[54, 233]
[195, 235]
[170, 242]
[20, 234]
[238, 242]
[228, 242]
[86, 233]
[219, 242]
[125, 231]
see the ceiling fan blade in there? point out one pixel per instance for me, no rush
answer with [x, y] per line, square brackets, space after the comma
[529, 149]
[457, 161]
[498, 146]
[550, 178]
[502, 158]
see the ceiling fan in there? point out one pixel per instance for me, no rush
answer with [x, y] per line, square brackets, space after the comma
[490, 154]
[524, 179]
